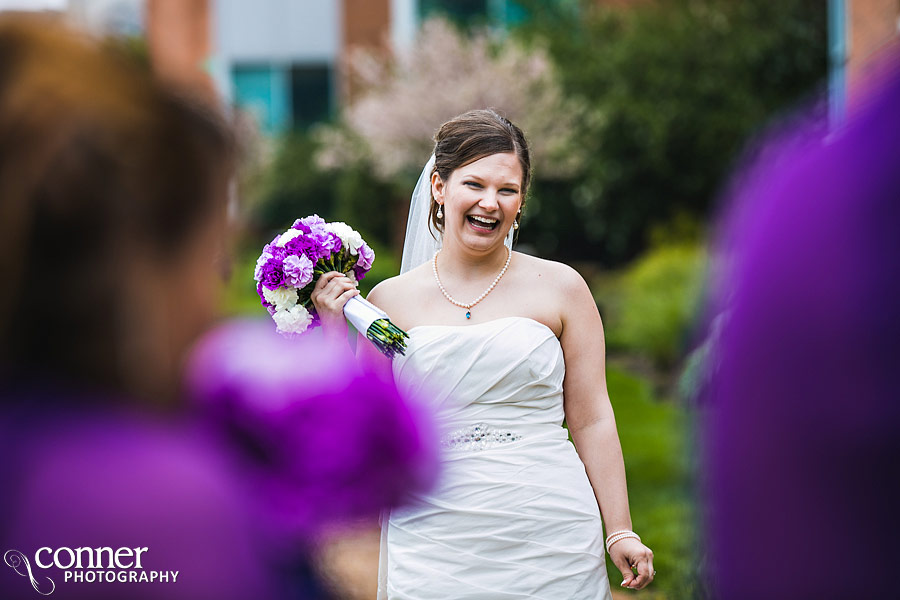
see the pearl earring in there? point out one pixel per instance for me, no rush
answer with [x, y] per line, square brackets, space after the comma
[440, 212]
[516, 220]
[516, 224]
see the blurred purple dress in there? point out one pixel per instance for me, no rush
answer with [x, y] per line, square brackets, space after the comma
[76, 474]
[803, 435]
[289, 439]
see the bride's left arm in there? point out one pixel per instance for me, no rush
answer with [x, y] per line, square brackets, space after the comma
[592, 424]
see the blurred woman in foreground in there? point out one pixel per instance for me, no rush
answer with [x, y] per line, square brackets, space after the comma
[112, 197]
[803, 436]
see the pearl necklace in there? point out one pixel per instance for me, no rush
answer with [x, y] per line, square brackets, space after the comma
[469, 305]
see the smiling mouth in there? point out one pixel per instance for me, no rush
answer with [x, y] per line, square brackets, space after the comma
[482, 223]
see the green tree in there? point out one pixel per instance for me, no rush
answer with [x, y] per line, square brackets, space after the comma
[293, 186]
[675, 87]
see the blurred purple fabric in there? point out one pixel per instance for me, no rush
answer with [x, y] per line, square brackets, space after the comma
[332, 440]
[803, 434]
[290, 439]
[76, 474]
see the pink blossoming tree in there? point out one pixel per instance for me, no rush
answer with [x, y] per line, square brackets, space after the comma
[403, 100]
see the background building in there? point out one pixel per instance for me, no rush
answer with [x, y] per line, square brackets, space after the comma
[862, 33]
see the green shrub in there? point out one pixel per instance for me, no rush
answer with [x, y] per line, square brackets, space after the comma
[291, 186]
[653, 303]
[675, 88]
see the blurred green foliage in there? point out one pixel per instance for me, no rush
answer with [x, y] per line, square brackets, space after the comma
[386, 265]
[659, 466]
[293, 186]
[675, 89]
[650, 306]
[239, 296]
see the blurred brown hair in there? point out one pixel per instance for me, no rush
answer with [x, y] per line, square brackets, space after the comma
[99, 163]
[472, 136]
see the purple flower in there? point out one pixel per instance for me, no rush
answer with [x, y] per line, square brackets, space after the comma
[359, 272]
[314, 227]
[275, 252]
[333, 242]
[311, 221]
[298, 270]
[332, 441]
[303, 245]
[260, 262]
[259, 292]
[328, 242]
[366, 257]
[270, 251]
[272, 274]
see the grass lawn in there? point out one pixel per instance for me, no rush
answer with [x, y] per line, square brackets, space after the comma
[656, 440]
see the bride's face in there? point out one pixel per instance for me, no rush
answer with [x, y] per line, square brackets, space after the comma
[480, 200]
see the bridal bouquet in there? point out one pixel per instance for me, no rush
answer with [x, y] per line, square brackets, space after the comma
[287, 270]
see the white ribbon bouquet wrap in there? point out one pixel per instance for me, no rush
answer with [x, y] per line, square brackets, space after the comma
[291, 263]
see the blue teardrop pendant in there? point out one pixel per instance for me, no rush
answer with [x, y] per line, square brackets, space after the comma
[468, 314]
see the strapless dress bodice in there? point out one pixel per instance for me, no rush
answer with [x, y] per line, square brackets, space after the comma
[506, 373]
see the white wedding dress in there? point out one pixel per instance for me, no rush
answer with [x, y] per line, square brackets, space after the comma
[513, 515]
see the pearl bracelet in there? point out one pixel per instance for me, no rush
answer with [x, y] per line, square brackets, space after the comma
[619, 536]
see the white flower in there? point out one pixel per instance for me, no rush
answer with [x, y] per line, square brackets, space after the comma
[288, 236]
[282, 298]
[350, 238]
[292, 320]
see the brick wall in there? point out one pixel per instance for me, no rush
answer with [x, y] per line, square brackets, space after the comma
[179, 38]
[366, 24]
[872, 35]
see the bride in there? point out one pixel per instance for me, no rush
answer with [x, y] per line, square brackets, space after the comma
[505, 346]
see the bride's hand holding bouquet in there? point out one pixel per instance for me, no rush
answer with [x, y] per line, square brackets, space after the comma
[332, 291]
[307, 276]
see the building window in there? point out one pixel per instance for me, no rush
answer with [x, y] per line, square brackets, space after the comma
[462, 11]
[263, 90]
[475, 12]
[282, 96]
[311, 97]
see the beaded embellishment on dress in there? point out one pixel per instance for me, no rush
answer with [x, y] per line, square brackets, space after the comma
[478, 437]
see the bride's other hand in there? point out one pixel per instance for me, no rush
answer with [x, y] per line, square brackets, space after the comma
[629, 553]
[333, 290]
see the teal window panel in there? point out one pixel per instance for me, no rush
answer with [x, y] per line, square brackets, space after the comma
[469, 12]
[462, 11]
[264, 91]
[510, 12]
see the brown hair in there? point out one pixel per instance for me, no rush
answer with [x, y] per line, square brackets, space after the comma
[100, 163]
[472, 136]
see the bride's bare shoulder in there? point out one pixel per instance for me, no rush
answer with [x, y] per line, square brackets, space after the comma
[541, 270]
[395, 292]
